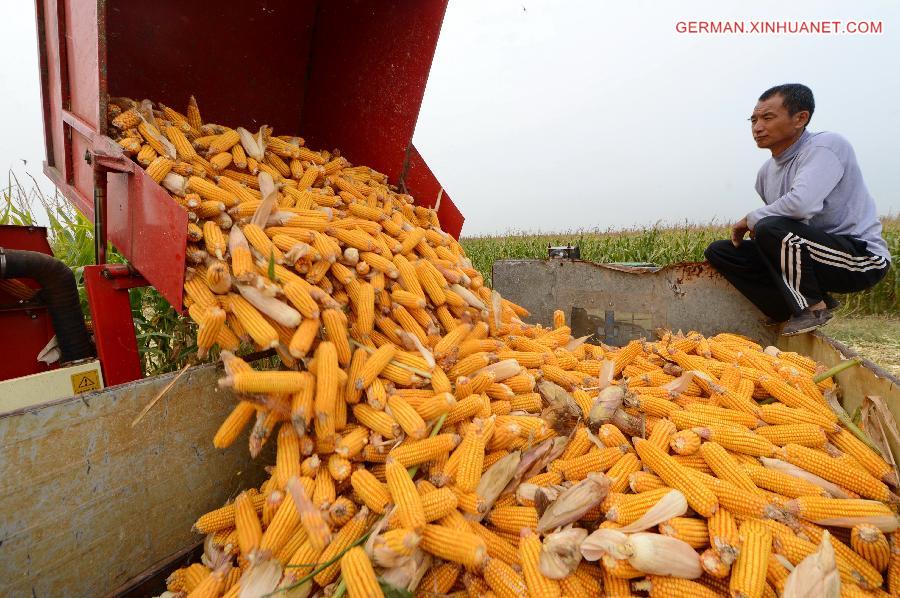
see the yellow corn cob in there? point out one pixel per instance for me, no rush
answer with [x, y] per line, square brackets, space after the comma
[497, 546]
[595, 460]
[690, 530]
[852, 566]
[831, 469]
[375, 365]
[685, 442]
[738, 439]
[660, 433]
[871, 544]
[214, 239]
[621, 471]
[404, 494]
[818, 508]
[210, 191]
[804, 434]
[725, 467]
[793, 397]
[268, 382]
[514, 518]
[781, 483]
[249, 529]
[234, 424]
[359, 574]
[377, 421]
[223, 518]
[748, 575]
[223, 142]
[435, 406]
[723, 535]
[874, 463]
[159, 168]
[504, 580]
[700, 498]
[777, 413]
[343, 539]
[674, 587]
[471, 461]
[630, 507]
[894, 566]
[262, 333]
[221, 161]
[404, 414]
[642, 481]
[281, 528]
[373, 493]
[438, 580]
[456, 546]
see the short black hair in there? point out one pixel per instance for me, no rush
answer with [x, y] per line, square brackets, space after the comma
[795, 97]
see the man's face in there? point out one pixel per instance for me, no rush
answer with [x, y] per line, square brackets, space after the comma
[771, 124]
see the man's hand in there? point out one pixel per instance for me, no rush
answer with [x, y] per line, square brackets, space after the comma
[738, 231]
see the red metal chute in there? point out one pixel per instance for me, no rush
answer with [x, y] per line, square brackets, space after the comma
[348, 74]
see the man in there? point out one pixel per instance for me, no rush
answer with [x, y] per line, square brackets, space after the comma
[819, 230]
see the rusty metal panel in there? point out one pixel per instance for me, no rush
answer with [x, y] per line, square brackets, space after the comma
[87, 502]
[616, 304]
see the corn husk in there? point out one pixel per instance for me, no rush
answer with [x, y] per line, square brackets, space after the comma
[789, 468]
[495, 479]
[679, 384]
[605, 405]
[560, 552]
[175, 183]
[887, 522]
[575, 502]
[253, 146]
[503, 369]
[269, 200]
[816, 576]
[656, 554]
[279, 311]
[877, 421]
[260, 578]
[468, 296]
[603, 541]
[673, 504]
[630, 425]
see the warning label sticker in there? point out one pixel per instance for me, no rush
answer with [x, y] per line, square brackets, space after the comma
[85, 382]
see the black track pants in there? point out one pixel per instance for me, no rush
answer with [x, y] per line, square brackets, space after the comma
[789, 266]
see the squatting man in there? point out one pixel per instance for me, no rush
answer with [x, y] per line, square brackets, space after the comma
[819, 231]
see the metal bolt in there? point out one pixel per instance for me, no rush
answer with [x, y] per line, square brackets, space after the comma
[87, 156]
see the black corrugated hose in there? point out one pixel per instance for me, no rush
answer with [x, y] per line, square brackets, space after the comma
[58, 292]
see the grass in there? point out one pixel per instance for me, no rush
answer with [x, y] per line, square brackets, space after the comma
[874, 337]
[664, 245]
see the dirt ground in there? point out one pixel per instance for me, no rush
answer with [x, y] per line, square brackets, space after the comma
[874, 337]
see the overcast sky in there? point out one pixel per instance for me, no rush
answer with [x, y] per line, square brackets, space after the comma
[560, 115]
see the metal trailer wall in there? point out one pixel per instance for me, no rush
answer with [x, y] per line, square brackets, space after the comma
[87, 502]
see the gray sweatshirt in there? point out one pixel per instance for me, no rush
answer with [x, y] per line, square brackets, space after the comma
[818, 181]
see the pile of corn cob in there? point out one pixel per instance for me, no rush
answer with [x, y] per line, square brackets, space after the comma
[429, 440]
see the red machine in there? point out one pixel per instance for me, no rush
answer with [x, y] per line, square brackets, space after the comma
[343, 73]
[24, 321]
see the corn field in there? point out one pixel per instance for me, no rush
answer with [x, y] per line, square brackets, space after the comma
[664, 245]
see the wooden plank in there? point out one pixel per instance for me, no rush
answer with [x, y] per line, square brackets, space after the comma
[87, 502]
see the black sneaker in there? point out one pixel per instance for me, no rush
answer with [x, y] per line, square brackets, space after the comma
[806, 321]
[831, 304]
